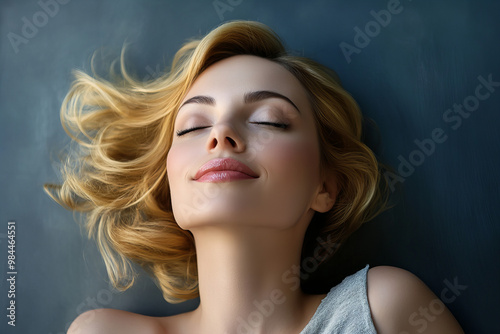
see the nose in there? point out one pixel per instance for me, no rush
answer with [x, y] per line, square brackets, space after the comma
[224, 137]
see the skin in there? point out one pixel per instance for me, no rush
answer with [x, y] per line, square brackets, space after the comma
[248, 233]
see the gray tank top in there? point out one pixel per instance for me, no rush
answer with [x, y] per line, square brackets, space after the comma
[344, 310]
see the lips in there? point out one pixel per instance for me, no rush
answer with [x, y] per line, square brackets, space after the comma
[224, 170]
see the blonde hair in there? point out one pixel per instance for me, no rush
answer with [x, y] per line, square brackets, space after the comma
[123, 129]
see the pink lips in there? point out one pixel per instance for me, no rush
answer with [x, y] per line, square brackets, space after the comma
[224, 170]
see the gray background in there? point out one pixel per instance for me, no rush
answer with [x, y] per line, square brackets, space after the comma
[427, 58]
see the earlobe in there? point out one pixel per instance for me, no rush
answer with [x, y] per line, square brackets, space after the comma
[326, 197]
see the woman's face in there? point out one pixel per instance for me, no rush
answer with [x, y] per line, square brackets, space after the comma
[245, 148]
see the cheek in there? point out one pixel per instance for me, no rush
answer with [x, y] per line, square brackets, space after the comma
[296, 159]
[292, 169]
[178, 159]
[174, 161]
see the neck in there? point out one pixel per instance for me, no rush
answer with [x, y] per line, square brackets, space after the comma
[249, 280]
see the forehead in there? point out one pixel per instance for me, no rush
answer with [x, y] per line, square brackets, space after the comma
[240, 74]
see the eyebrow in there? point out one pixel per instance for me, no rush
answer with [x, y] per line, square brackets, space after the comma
[249, 97]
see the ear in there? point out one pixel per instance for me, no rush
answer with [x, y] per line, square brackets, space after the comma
[326, 195]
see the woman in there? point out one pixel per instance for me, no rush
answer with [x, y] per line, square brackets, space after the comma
[218, 178]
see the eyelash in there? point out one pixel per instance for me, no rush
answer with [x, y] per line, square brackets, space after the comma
[277, 125]
[183, 132]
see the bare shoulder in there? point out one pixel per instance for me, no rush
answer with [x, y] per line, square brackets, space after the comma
[114, 321]
[400, 301]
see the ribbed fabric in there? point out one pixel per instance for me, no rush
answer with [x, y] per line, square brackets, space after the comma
[344, 310]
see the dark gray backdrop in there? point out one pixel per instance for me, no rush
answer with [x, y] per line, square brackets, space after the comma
[407, 71]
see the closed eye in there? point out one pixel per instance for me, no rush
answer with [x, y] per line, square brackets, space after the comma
[277, 125]
[183, 132]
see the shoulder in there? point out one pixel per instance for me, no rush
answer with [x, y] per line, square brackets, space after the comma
[399, 301]
[114, 321]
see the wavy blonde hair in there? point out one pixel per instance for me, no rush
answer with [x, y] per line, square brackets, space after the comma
[122, 129]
